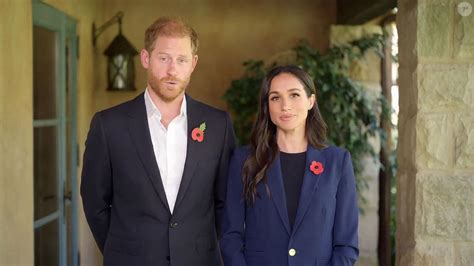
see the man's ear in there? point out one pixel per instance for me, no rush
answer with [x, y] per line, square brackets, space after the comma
[195, 60]
[144, 58]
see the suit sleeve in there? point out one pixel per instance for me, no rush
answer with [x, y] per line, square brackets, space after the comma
[345, 232]
[221, 180]
[232, 241]
[96, 182]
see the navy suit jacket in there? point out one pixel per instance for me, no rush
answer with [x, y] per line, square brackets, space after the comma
[325, 231]
[123, 196]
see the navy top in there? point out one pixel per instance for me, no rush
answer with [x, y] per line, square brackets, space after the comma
[292, 170]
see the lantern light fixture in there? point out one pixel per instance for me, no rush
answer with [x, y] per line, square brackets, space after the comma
[120, 53]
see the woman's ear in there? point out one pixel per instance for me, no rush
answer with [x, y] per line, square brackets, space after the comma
[312, 101]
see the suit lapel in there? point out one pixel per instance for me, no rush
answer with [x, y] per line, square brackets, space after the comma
[195, 118]
[140, 134]
[310, 183]
[275, 183]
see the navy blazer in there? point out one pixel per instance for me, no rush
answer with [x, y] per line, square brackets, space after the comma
[123, 196]
[325, 231]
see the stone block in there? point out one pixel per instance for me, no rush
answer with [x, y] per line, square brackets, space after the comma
[405, 258]
[370, 173]
[445, 207]
[406, 26]
[368, 235]
[464, 138]
[367, 69]
[433, 29]
[341, 34]
[434, 254]
[367, 260]
[408, 91]
[405, 211]
[435, 144]
[464, 254]
[446, 86]
[463, 34]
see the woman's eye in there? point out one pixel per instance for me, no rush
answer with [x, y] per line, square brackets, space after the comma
[274, 98]
[294, 95]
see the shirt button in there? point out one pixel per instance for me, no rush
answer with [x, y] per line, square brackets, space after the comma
[173, 224]
[292, 252]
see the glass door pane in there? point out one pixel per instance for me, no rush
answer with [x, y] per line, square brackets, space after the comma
[46, 245]
[44, 73]
[46, 147]
[45, 171]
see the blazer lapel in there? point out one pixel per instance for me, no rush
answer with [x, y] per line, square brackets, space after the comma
[140, 134]
[275, 183]
[192, 151]
[310, 184]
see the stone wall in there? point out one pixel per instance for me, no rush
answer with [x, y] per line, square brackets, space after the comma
[366, 72]
[436, 134]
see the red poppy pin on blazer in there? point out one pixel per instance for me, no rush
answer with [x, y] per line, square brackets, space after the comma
[198, 133]
[316, 167]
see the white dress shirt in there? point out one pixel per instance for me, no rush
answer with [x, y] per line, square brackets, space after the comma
[169, 146]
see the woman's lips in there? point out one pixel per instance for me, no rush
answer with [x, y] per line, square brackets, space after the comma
[286, 117]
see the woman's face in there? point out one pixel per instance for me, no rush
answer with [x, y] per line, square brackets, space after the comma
[289, 104]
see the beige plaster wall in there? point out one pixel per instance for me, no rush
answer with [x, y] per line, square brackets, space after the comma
[16, 133]
[229, 31]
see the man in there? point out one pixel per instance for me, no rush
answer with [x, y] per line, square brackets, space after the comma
[154, 175]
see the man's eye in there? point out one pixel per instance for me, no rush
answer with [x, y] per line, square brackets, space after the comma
[182, 60]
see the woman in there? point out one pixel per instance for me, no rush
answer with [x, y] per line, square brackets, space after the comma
[291, 199]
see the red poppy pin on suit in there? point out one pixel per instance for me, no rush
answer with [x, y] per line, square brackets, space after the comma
[316, 167]
[198, 133]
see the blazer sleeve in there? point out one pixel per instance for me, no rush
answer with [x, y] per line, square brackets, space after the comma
[220, 189]
[346, 223]
[232, 241]
[96, 182]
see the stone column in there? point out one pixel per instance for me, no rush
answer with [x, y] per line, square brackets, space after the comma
[436, 133]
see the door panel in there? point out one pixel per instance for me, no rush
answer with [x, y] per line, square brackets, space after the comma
[45, 171]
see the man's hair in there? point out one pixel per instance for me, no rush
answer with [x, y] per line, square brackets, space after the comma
[170, 27]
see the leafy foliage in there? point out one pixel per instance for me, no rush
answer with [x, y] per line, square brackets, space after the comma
[351, 115]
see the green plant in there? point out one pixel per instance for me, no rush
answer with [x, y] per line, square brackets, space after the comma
[349, 112]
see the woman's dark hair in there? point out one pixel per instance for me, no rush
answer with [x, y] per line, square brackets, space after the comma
[263, 143]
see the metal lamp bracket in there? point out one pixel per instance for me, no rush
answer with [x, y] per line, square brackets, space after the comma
[98, 31]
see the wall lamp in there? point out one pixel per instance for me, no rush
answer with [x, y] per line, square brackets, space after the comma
[120, 53]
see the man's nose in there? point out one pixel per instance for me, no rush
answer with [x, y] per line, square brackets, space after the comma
[172, 71]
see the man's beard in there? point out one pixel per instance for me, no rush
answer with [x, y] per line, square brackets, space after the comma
[159, 87]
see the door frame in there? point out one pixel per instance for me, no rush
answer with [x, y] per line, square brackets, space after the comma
[53, 19]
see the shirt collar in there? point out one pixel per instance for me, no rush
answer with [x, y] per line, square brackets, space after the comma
[151, 108]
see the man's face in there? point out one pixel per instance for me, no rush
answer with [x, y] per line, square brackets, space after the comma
[169, 66]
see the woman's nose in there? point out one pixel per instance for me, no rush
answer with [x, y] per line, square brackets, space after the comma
[285, 105]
